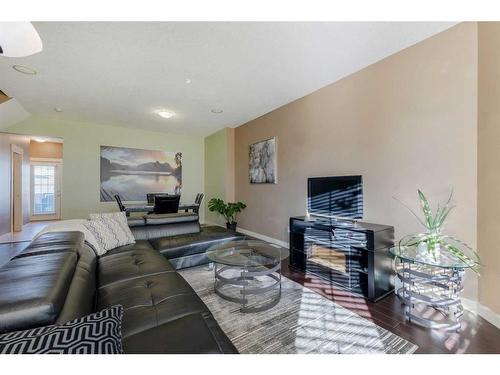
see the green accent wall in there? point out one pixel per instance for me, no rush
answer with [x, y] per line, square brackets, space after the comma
[219, 170]
[81, 159]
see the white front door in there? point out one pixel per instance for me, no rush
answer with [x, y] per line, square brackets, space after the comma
[45, 190]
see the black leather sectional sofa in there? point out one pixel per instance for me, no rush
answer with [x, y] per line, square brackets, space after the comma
[58, 278]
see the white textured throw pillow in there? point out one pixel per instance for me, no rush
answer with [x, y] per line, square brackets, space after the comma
[110, 230]
[70, 226]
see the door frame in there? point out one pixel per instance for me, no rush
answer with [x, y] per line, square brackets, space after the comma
[58, 175]
[15, 149]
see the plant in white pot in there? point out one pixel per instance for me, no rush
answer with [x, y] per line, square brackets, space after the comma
[227, 210]
[431, 243]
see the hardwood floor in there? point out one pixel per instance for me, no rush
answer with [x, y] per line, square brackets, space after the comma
[477, 335]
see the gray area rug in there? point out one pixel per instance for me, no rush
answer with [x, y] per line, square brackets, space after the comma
[302, 322]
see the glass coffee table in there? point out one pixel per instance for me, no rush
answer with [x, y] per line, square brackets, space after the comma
[248, 272]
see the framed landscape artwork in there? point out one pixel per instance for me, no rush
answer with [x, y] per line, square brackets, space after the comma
[262, 162]
[132, 173]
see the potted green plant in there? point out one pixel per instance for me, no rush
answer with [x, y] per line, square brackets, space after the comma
[227, 210]
[431, 243]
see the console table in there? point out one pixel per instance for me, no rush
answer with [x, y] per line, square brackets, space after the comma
[352, 255]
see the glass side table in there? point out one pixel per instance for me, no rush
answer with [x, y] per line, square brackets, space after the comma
[431, 285]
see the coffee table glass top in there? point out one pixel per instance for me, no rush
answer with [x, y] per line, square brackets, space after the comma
[247, 253]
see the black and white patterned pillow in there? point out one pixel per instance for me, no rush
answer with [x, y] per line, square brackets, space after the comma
[110, 230]
[97, 333]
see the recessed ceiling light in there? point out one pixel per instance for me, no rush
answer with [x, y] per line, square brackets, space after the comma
[165, 113]
[188, 81]
[57, 109]
[216, 111]
[24, 69]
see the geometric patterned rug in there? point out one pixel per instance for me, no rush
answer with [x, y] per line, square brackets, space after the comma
[302, 322]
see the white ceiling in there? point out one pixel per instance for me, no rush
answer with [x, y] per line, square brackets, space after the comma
[119, 73]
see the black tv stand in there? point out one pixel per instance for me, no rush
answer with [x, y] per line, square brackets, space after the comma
[333, 220]
[352, 255]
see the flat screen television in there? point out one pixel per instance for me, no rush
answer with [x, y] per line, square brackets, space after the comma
[340, 196]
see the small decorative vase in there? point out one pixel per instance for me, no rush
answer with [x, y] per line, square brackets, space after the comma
[429, 251]
[231, 226]
[437, 250]
[423, 250]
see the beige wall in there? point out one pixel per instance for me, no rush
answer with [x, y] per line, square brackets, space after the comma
[82, 141]
[406, 122]
[46, 150]
[489, 164]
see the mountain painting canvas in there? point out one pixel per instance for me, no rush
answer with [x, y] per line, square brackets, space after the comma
[132, 173]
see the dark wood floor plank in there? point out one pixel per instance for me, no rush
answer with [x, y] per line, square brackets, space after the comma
[476, 336]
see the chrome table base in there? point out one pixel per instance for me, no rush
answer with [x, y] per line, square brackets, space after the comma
[243, 280]
[433, 291]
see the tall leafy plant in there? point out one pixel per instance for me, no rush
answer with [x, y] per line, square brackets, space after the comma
[227, 210]
[434, 239]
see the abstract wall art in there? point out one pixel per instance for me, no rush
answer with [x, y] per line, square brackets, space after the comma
[263, 162]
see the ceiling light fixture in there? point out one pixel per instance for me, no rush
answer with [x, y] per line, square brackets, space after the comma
[188, 81]
[216, 111]
[24, 69]
[19, 39]
[165, 113]
[57, 109]
[39, 139]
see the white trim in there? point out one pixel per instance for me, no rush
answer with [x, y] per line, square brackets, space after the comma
[489, 315]
[46, 160]
[262, 237]
[481, 310]
[15, 149]
[469, 304]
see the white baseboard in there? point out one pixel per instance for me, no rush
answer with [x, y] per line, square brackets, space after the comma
[263, 237]
[489, 315]
[254, 234]
[483, 311]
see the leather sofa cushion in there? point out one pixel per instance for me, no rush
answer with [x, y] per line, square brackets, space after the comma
[192, 334]
[33, 289]
[190, 244]
[150, 301]
[178, 217]
[131, 264]
[68, 238]
[139, 244]
[149, 232]
[54, 243]
[80, 300]
[136, 221]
